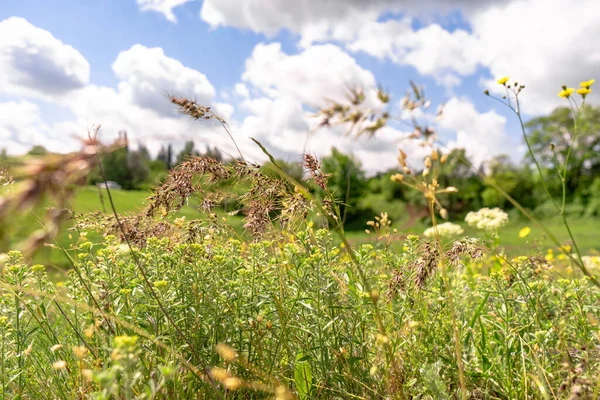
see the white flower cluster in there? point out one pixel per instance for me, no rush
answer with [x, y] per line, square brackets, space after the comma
[591, 262]
[447, 229]
[489, 219]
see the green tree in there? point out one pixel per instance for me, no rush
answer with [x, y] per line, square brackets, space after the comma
[187, 152]
[348, 183]
[38, 150]
[551, 137]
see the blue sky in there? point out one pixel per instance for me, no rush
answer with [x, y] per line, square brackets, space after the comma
[261, 65]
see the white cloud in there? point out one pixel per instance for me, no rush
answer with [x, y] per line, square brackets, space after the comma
[21, 126]
[95, 105]
[291, 85]
[542, 43]
[317, 20]
[164, 7]
[287, 130]
[549, 43]
[148, 76]
[431, 50]
[319, 72]
[482, 135]
[35, 63]
[241, 90]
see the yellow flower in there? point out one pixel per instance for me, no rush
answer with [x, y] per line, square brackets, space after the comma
[524, 232]
[397, 178]
[503, 80]
[566, 93]
[587, 84]
[584, 91]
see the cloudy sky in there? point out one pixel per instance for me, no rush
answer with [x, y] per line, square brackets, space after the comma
[264, 65]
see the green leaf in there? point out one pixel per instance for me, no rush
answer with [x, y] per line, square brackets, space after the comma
[303, 376]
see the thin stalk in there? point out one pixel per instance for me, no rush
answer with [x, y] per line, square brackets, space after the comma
[537, 222]
[150, 286]
[455, 330]
[339, 229]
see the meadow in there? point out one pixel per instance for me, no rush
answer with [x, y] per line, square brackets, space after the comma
[90, 200]
[164, 295]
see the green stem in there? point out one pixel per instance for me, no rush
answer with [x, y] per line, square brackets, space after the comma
[447, 284]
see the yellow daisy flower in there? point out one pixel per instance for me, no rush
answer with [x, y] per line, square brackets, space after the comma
[524, 232]
[566, 93]
[584, 91]
[503, 80]
[587, 84]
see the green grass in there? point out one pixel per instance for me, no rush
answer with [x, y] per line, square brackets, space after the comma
[87, 200]
[585, 230]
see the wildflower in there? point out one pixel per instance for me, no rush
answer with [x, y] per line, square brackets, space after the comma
[587, 84]
[80, 351]
[413, 324]
[87, 374]
[566, 93]
[550, 255]
[160, 284]
[489, 219]
[59, 365]
[444, 213]
[125, 341]
[219, 374]
[382, 338]
[503, 80]
[227, 352]
[28, 350]
[591, 262]
[447, 229]
[232, 383]
[524, 232]
[397, 178]
[584, 91]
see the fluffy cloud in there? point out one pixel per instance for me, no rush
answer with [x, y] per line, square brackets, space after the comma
[317, 20]
[482, 135]
[94, 105]
[288, 130]
[431, 50]
[241, 90]
[560, 45]
[21, 126]
[35, 63]
[543, 43]
[147, 76]
[164, 7]
[138, 105]
[291, 85]
[319, 72]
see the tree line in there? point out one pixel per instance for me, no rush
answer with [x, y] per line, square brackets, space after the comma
[363, 196]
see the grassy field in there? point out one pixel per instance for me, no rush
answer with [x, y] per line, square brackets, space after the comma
[585, 230]
[87, 200]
